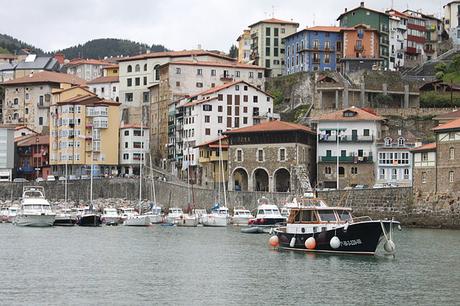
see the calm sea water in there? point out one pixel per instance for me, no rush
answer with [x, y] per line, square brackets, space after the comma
[216, 266]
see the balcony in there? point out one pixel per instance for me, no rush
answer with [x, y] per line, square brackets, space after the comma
[412, 51]
[316, 61]
[347, 138]
[43, 104]
[359, 48]
[226, 77]
[347, 159]
[203, 160]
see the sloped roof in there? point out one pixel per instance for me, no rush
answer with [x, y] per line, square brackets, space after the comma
[324, 29]
[272, 126]
[425, 147]
[33, 140]
[357, 8]
[448, 116]
[215, 64]
[275, 20]
[211, 143]
[38, 64]
[361, 115]
[174, 54]
[451, 125]
[90, 61]
[46, 77]
[104, 80]
[88, 99]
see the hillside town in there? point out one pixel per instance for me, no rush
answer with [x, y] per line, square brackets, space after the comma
[183, 112]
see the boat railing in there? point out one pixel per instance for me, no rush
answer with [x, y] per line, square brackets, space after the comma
[361, 219]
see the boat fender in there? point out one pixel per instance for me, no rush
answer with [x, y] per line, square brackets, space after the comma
[303, 230]
[399, 227]
[335, 242]
[389, 246]
[273, 241]
[292, 243]
[310, 243]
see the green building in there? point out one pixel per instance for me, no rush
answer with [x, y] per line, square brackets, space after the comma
[376, 20]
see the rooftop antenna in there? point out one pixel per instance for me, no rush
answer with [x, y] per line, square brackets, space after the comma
[392, 4]
[314, 19]
[273, 11]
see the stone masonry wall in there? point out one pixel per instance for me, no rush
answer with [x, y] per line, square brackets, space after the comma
[426, 211]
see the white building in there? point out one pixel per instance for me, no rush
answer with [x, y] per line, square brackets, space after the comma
[134, 146]
[451, 20]
[86, 69]
[227, 107]
[394, 165]
[355, 149]
[397, 38]
[6, 153]
[106, 87]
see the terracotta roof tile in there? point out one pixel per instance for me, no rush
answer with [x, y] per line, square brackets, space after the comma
[272, 126]
[105, 79]
[425, 147]
[33, 140]
[215, 64]
[446, 116]
[274, 20]
[361, 115]
[173, 54]
[451, 125]
[214, 141]
[325, 29]
[47, 77]
[80, 61]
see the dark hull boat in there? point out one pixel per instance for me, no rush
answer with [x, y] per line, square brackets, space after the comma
[67, 221]
[89, 220]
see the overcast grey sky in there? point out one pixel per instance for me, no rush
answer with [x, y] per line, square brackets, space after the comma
[177, 24]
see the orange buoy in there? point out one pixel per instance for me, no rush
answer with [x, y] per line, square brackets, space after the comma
[310, 243]
[273, 241]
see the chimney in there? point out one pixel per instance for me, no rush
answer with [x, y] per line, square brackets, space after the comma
[346, 10]
[60, 58]
[362, 4]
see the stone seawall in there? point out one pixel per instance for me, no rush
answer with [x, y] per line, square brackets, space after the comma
[435, 211]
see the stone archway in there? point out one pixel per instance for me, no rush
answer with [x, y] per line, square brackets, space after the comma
[261, 180]
[282, 180]
[240, 179]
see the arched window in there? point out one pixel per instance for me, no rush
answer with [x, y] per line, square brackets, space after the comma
[327, 170]
[451, 153]
[138, 68]
[130, 68]
[156, 72]
[341, 171]
[387, 141]
[401, 141]
[145, 67]
[15, 116]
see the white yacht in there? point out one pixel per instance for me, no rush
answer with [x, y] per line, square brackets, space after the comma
[155, 214]
[187, 220]
[241, 216]
[126, 212]
[268, 215]
[35, 209]
[219, 217]
[110, 216]
[174, 213]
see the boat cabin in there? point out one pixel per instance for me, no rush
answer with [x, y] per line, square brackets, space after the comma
[109, 211]
[33, 192]
[268, 211]
[241, 212]
[175, 211]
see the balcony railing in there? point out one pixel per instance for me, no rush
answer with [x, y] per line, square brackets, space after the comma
[347, 138]
[347, 159]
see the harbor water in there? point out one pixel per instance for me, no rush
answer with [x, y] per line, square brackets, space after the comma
[216, 266]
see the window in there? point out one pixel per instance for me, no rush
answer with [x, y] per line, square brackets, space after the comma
[138, 81]
[129, 82]
[239, 155]
[451, 176]
[425, 156]
[260, 155]
[245, 120]
[245, 109]
[237, 87]
[40, 120]
[138, 145]
[406, 174]
[387, 141]
[423, 177]
[267, 31]
[366, 132]
[327, 58]
[255, 99]
[219, 119]
[207, 131]
[220, 97]
[451, 153]
[125, 156]
[146, 96]
[114, 88]
[451, 135]
[199, 84]
[199, 71]
[178, 71]
[207, 107]
[260, 75]
[394, 174]
[282, 154]
[245, 98]
[220, 108]
[382, 174]
[127, 133]
[327, 44]
[145, 67]
[341, 171]
[213, 72]
[207, 119]
[130, 68]
[126, 145]
[129, 97]
[237, 74]
[401, 141]
[327, 170]
[138, 68]
[145, 80]
[251, 76]
[267, 51]
[177, 84]
[275, 31]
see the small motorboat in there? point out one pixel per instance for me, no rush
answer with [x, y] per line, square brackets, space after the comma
[219, 217]
[12, 212]
[126, 212]
[154, 214]
[35, 210]
[89, 217]
[241, 216]
[267, 215]
[65, 217]
[174, 213]
[3, 214]
[110, 216]
[187, 220]
[315, 227]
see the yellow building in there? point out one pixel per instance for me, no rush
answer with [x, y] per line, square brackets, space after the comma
[83, 125]
[111, 70]
[210, 170]
[244, 47]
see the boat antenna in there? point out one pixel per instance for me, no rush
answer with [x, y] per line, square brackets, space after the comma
[221, 161]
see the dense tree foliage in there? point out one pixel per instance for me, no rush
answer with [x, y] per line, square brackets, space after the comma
[14, 46]
[233, 53]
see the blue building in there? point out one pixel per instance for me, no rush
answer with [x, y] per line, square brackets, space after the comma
[313, 49]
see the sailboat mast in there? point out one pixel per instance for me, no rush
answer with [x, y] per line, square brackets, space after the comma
[65, 185]
[222, 170]
[153, 181]
[91, 168]
[140, 160]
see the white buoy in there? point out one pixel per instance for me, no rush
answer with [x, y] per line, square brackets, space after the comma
[389, 246]
[335, 242]
[310, 243]
[292, 243]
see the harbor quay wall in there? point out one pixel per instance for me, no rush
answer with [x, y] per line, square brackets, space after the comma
[400, 203]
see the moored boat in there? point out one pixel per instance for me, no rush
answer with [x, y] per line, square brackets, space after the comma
[267, 215]
[35, 210]
[219, 217]
[89, 217]
[315, 227]
[12, 212]
[65, 217]
[110, 216]
[241, 216]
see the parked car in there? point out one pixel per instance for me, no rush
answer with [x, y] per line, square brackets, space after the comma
[73, 177]
[85, 177]
[378, 186]
[50, 178]
[20, 180]
[360, 186]
[39, 179]
[61, 178]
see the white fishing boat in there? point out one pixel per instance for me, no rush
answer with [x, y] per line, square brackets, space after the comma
[219, 217]
[267, 215]
[35, 210]
[126, 212]
[12, 212]
[110, 216]
[155, 214]
[241, 216]
[187, 220]
[65, 217]
[174, 215]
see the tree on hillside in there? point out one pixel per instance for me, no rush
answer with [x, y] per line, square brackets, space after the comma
[233, 53]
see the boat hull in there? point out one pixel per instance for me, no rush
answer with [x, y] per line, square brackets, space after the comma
[137, 221]
[240, 221]
[35, 220]
[65, 221]
[266, 222]
[214, 220]
[110, 220]
[155, 219]
[89, 220]
[186, 221]
[358, 238]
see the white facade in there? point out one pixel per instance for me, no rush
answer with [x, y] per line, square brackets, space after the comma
[398, 41]
[451, 21]
[424, 159]
[107, 91]
[236, 106]
[6, 153]
[86, 71]
[134, 146]
[394, 164]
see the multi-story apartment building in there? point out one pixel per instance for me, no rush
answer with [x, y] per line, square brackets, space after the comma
[347, 146]
[398, 39]
[137, 74]
[416, 39]
[394, 164]
[6, 152]
[313, 49]
[213, 163]
[424, 168]
[32, 154]
[210, 113]
[134, 147]
[374, 20]
[244, 47]
[360, 49]
[452, 20]
[267, 43]
[27, 99]
[84, 131]
[181, 79]
[273, 156]
[86, 69]
[106, 87]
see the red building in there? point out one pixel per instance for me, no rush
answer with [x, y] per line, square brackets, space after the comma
[416, 38]
[32, 154]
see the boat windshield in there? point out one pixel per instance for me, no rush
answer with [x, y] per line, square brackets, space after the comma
[344, 215]
[33, 194]
[327, 215]
[37, 206]
[303, 216]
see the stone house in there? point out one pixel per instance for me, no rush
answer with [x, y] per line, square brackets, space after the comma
[274, 156]
[213, 163]
[424, 168]
[86, 69]
[106, 87]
